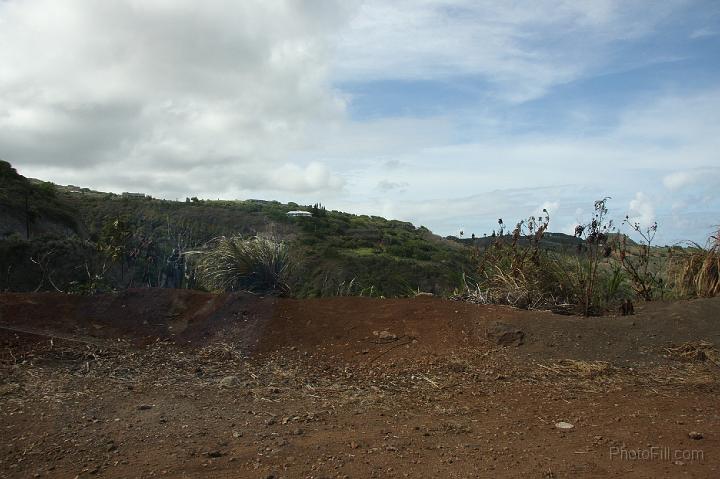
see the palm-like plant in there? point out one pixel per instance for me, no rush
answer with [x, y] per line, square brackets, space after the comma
[258, 264]
[700, 271]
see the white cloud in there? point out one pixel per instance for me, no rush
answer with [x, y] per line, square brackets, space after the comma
[704, 32]
[551, 207]
[674, 122]
[617, 161]
[641, 210]
[521, 49]
[677, 180]
[181, 97]
[385, 186]
[315, 177]
[699, 177]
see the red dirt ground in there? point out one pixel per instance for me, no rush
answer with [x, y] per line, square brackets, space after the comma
[177, 383]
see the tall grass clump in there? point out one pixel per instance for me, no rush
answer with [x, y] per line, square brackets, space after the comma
[258, 264]
[699, 270]
[514, 270]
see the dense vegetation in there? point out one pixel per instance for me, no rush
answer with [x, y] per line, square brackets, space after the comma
[87, 241]
[72, 239]
[603, 270]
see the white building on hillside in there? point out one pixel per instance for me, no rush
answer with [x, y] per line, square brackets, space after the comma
[299, 213]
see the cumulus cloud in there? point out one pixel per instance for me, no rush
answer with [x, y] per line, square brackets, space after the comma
[548, 206]
[678, 180]
[315, 177]
[641, 210]
[182, 97]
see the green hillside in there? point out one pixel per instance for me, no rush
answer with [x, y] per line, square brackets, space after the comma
[558, 242]
[73, 239]
[333, 252]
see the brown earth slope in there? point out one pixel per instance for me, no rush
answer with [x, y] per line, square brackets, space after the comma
[175, 383]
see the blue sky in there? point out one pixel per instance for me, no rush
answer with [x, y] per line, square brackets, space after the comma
[613, 114]
[446, 113]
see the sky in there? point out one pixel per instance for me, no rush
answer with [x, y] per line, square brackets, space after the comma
[447, 113]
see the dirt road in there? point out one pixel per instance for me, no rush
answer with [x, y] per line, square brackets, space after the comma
[151, 383]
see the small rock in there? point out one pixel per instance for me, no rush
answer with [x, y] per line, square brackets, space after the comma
[695, 435]
[214, 454]
[237, 434]
[504, 334]
[563, 425]
[229, 382]
[144, 407]
[387, 336]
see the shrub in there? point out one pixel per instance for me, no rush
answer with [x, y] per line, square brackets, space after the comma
[514, 270]
[699, 272]
[595, 235]
[257, 264]
[645, 281]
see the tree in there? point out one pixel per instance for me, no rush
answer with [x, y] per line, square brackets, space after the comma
[115, 241]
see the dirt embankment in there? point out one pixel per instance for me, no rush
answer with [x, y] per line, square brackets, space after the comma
[349, 326]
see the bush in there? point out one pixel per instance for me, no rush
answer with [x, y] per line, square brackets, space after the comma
[645, 281]
[514, 270]
[257, 264]
[595, 235]
[699, 274]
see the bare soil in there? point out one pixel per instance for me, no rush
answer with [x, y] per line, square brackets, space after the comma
[176, 383]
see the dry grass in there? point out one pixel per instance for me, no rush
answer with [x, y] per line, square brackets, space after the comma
[694, 351]
[542, 283]
[583, 369]
[699, 271]
[235, 263]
